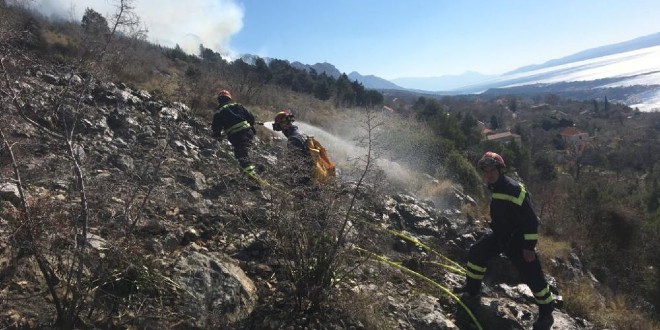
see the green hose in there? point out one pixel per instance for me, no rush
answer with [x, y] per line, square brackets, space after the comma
[436, 284]
[456, 266]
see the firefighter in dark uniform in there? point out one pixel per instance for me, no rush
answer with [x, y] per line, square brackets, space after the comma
[298, 157]
[514, 227]
[238, 124]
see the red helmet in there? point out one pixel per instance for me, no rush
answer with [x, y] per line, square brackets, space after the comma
[491, 158]
[224, 93]
[282, 117]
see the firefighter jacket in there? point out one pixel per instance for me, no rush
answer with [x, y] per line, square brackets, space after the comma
[513, 220]
[296, 140]
[232, 118]
[310, 154]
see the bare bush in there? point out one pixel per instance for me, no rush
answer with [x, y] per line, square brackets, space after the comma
[314, 226]
[55, 233]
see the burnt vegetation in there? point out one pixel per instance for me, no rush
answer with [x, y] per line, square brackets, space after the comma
[112, 188]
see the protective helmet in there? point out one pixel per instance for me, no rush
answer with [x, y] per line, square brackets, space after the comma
[224, 93]
[491, 158]
[282, 117]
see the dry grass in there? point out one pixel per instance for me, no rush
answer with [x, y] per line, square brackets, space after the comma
[365, 306]
[52, 38]
[589, 300]
[550, 248]
[584, 299]
[435, 188]
[476, 214]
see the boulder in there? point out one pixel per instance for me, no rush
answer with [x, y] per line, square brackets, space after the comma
[9, 192]
[217, 291]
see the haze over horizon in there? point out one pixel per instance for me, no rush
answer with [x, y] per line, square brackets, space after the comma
[444, 38]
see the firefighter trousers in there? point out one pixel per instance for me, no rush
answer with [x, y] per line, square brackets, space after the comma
[241, 142]
[530, 272]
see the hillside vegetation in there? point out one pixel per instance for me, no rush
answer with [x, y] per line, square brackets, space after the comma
[117, 192]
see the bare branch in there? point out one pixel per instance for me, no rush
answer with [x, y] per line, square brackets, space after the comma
[17, 173]
[19, 106]
[145, 199]
[44, 267]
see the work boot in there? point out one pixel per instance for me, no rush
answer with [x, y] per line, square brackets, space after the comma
[472, 288]
[545, 320]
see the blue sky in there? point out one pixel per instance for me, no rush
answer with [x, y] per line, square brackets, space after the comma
[386, 38]
[419, 38]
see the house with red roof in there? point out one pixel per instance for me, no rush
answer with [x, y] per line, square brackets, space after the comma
[503, 137]
[572, 135]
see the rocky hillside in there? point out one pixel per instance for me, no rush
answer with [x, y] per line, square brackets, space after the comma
[119, 211]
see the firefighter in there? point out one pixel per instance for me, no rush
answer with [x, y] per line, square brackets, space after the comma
[284, 122]
[238, 124]
[298, 158]
[306, 155]
[514, 227]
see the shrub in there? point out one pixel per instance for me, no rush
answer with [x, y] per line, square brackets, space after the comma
[461, 171]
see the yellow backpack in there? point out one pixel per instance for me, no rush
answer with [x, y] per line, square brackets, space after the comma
[323, 168]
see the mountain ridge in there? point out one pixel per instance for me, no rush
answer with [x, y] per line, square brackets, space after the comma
[627, 71]
[444, 82]
[640, 42]
[594, 64]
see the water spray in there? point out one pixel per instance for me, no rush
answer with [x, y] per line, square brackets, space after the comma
[343, 152]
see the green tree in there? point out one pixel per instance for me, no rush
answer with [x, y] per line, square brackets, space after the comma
[360, 93]
[262, 71]
[606, 105]
[545, 169]
[596, 109]
[494, 123]
[470, 129]
[302, 82]
[652, 198]
[323, 87]
[447, 126]
[209, 55]
[344, 94]
[282, 73]
[419, 104]
[426, 110]
[177, 53]
[512, 102]
[552, 99]
[374, 98]
[94, 24]
[459, 169]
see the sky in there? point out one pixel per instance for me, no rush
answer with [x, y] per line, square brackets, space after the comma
[388, 38]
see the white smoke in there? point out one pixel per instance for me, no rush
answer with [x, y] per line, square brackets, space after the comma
[343, 151]
[169, 22]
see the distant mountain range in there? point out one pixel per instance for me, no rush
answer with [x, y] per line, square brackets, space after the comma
[626, 72]
[442, 83]
[622, 47]
[369, 81]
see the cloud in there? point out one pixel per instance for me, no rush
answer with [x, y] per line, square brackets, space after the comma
[170, 22]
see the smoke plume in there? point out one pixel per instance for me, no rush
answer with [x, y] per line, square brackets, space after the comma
[169, 22]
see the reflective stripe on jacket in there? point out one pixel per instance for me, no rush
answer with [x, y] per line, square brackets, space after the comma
[231, 118]
[511, 212]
